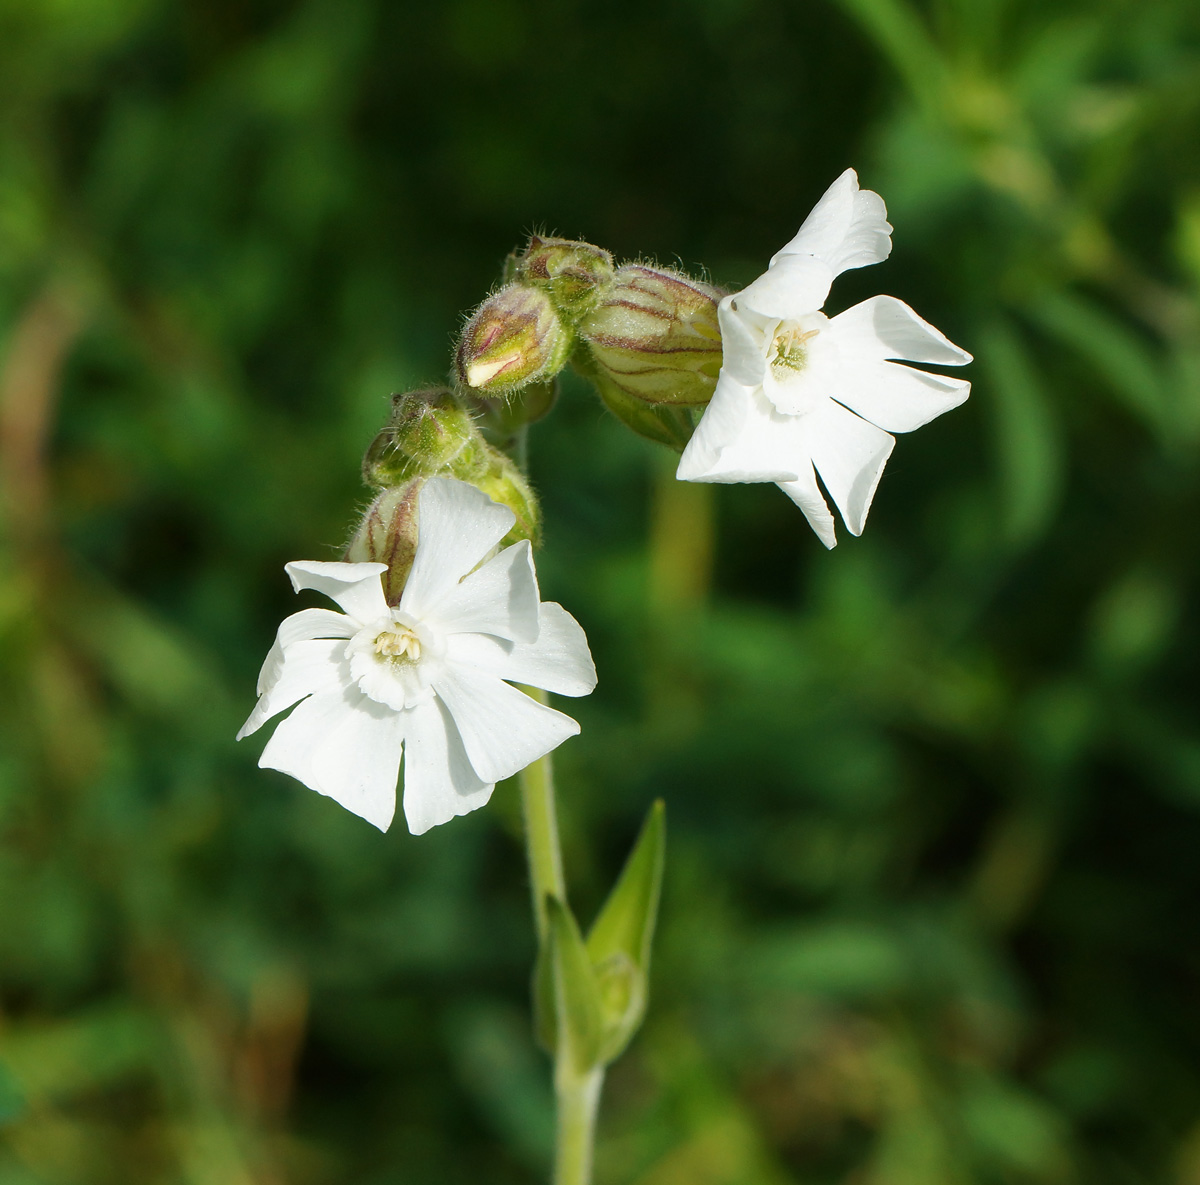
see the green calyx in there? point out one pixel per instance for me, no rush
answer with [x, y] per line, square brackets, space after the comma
[655, 337]
[574, 274]
[431, 433]
[387, 534]
[514, 338]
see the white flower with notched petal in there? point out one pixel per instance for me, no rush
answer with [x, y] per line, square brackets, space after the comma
[799, 391]
[427, 676]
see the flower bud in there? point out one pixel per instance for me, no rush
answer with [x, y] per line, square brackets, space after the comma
[655, 336]
[503, 482]
[664, 423]
[515, 337]
[388, 535]
[429, 432]
[572, 272]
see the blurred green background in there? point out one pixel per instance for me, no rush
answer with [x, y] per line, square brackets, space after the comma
[934, 864]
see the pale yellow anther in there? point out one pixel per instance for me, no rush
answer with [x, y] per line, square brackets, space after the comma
[401, 644]
[787, 347]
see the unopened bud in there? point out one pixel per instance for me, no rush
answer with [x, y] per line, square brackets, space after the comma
[515, 337]
[429, 432]
[655, 336]
[574, 273]
[503, 482]
[665, 423]
[388, 535]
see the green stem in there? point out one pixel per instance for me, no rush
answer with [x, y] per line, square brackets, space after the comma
[541, 833]
[578, 1097]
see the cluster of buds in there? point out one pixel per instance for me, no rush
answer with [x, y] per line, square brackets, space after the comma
[430, 433]
[647, 338]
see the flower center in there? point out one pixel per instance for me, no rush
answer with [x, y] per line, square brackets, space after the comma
[789, 350]
[400, 644]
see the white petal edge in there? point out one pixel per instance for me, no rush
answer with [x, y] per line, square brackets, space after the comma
[306, 667]
[847, 228]
[356, 587]
[897, 398]
[796, 285]
[439, 782]
[849, 454]
[807, 495]
[299, 627]
[886, 328]
[501, 597]
[502, 729]
[343, 745]
[558, 661]
[457, 525]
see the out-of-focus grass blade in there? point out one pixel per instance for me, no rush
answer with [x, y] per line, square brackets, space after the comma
[1028, 445]
[1125, 363]
[902, 37]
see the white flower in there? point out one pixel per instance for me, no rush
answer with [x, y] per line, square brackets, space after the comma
[799, 391]
[426, 676]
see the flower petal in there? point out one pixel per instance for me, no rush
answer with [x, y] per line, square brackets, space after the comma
[744, 342]
[308, 623]
[501, 597]
[457, 526]
[356, 587]
[558, 661]
[502, 729]
[343, 745]
[897, 398]
[884, 327]
[439, 782]
[796, 285]
[849, 454]
[807, 495]
[847, 228]
[304, 667]
[741, 437]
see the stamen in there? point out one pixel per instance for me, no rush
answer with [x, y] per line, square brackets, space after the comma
[401, 645]
[788, 350]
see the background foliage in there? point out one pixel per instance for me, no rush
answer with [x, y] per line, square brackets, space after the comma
[934, 797]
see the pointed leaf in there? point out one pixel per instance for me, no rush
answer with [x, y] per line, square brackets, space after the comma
[620, 940]
[626, 923]
[576, 996]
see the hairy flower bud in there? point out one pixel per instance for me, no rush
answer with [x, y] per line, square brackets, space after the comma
[503, 482]
[432, 434]
[655, 336]
[429, 432]
[388, 535]
[515, 337]
[574, 273]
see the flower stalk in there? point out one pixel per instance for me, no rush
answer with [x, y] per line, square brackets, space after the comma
[578, 1103]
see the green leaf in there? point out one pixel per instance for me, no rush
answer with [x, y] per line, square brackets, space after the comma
[577, 1011]
[621, 937]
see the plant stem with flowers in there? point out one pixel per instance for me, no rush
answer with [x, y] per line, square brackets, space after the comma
[435, 673]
